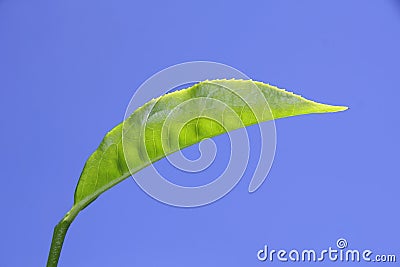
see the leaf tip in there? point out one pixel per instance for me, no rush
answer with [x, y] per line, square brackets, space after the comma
[324, 108]
[338, 108]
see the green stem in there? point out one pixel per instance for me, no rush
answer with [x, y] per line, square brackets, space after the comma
[59, 235]
[62, 227]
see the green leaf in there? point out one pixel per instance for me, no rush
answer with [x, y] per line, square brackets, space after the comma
[205, 110]
[107, 165]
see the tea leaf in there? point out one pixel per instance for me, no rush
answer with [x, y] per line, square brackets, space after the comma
[141, 136]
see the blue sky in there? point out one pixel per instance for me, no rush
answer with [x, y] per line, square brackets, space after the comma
[69, 68]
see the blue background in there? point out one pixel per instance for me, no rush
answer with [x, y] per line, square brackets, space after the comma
[69, 68]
